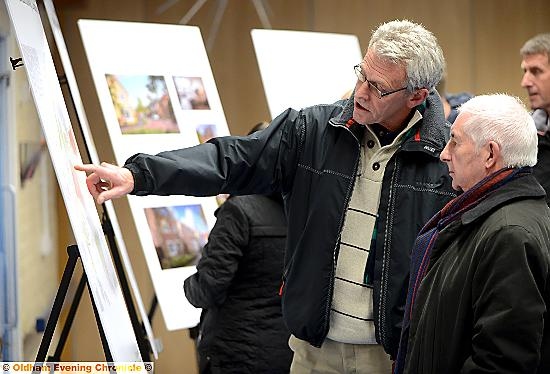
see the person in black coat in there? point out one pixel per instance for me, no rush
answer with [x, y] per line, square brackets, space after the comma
[479, 289]
[237, 283]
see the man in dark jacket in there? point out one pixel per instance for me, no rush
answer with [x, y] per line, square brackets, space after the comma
[535, 63]
[242, 329]
[479, 289]
[359, 178]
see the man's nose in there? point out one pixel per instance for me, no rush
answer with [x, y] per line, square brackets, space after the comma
[526, 81]
[444, 156]
[364, 89]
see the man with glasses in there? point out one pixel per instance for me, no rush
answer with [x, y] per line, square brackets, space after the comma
[359, 178]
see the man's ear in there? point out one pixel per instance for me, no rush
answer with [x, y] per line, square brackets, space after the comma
[418, 97]
[494, 156]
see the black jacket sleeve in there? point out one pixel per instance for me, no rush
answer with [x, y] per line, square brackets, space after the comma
[220, 259]
[261, 163]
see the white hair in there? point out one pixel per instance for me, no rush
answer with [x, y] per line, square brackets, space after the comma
[503, 119]
[410, 44]
[538, 44]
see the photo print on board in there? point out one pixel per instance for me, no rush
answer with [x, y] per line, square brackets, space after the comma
[191, 93]
[205, 132]
[179, 233]
[142, 104]
[111, 48]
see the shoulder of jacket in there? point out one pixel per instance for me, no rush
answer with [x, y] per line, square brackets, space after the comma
[247, 203]
[233, 203]
[324, 109]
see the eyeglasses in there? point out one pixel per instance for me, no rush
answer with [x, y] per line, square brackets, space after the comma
[361, 76]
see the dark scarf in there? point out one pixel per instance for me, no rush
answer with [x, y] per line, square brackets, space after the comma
[420, 256]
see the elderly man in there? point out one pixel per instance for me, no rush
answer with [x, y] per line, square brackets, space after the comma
[359, 178]
[479, 290]
[536, 80]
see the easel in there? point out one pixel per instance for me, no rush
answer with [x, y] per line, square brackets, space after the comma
[74, 255]
[143, 344]
[141, 337]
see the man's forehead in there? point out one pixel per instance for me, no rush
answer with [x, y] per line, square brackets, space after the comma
[535, 59]
[456, 127]
[381, 66]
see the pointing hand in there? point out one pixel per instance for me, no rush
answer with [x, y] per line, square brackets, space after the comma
[107, 181]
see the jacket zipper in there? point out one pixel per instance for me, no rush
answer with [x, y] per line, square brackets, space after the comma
[385, 268]
[380, 332]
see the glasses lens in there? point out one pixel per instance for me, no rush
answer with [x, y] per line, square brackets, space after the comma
[359, 73]
[375, 90]
[362, 78]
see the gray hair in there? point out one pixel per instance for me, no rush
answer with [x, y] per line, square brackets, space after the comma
[410, 44]
[503, 119]
[537, 44]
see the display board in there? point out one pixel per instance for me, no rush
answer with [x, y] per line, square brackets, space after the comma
[157, 93]
[81, 209]
[300, 68]
[94, 158]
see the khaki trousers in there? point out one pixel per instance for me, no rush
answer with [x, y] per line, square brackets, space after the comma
[338, 358]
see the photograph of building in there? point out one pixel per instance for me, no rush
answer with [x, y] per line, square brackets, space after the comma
[142, 104]
[179, 233]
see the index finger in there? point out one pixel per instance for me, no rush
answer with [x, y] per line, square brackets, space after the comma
[88, 168]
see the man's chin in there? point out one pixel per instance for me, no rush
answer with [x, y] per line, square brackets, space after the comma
[455, 187]
[534, 103]
[361, 118]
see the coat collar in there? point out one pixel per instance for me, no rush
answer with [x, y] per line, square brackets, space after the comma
[526, 187]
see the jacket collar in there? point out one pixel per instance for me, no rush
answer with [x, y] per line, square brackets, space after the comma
[526, 187]
[432, 133]
[428, 135]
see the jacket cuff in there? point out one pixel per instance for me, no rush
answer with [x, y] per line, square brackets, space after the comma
[140, 184]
